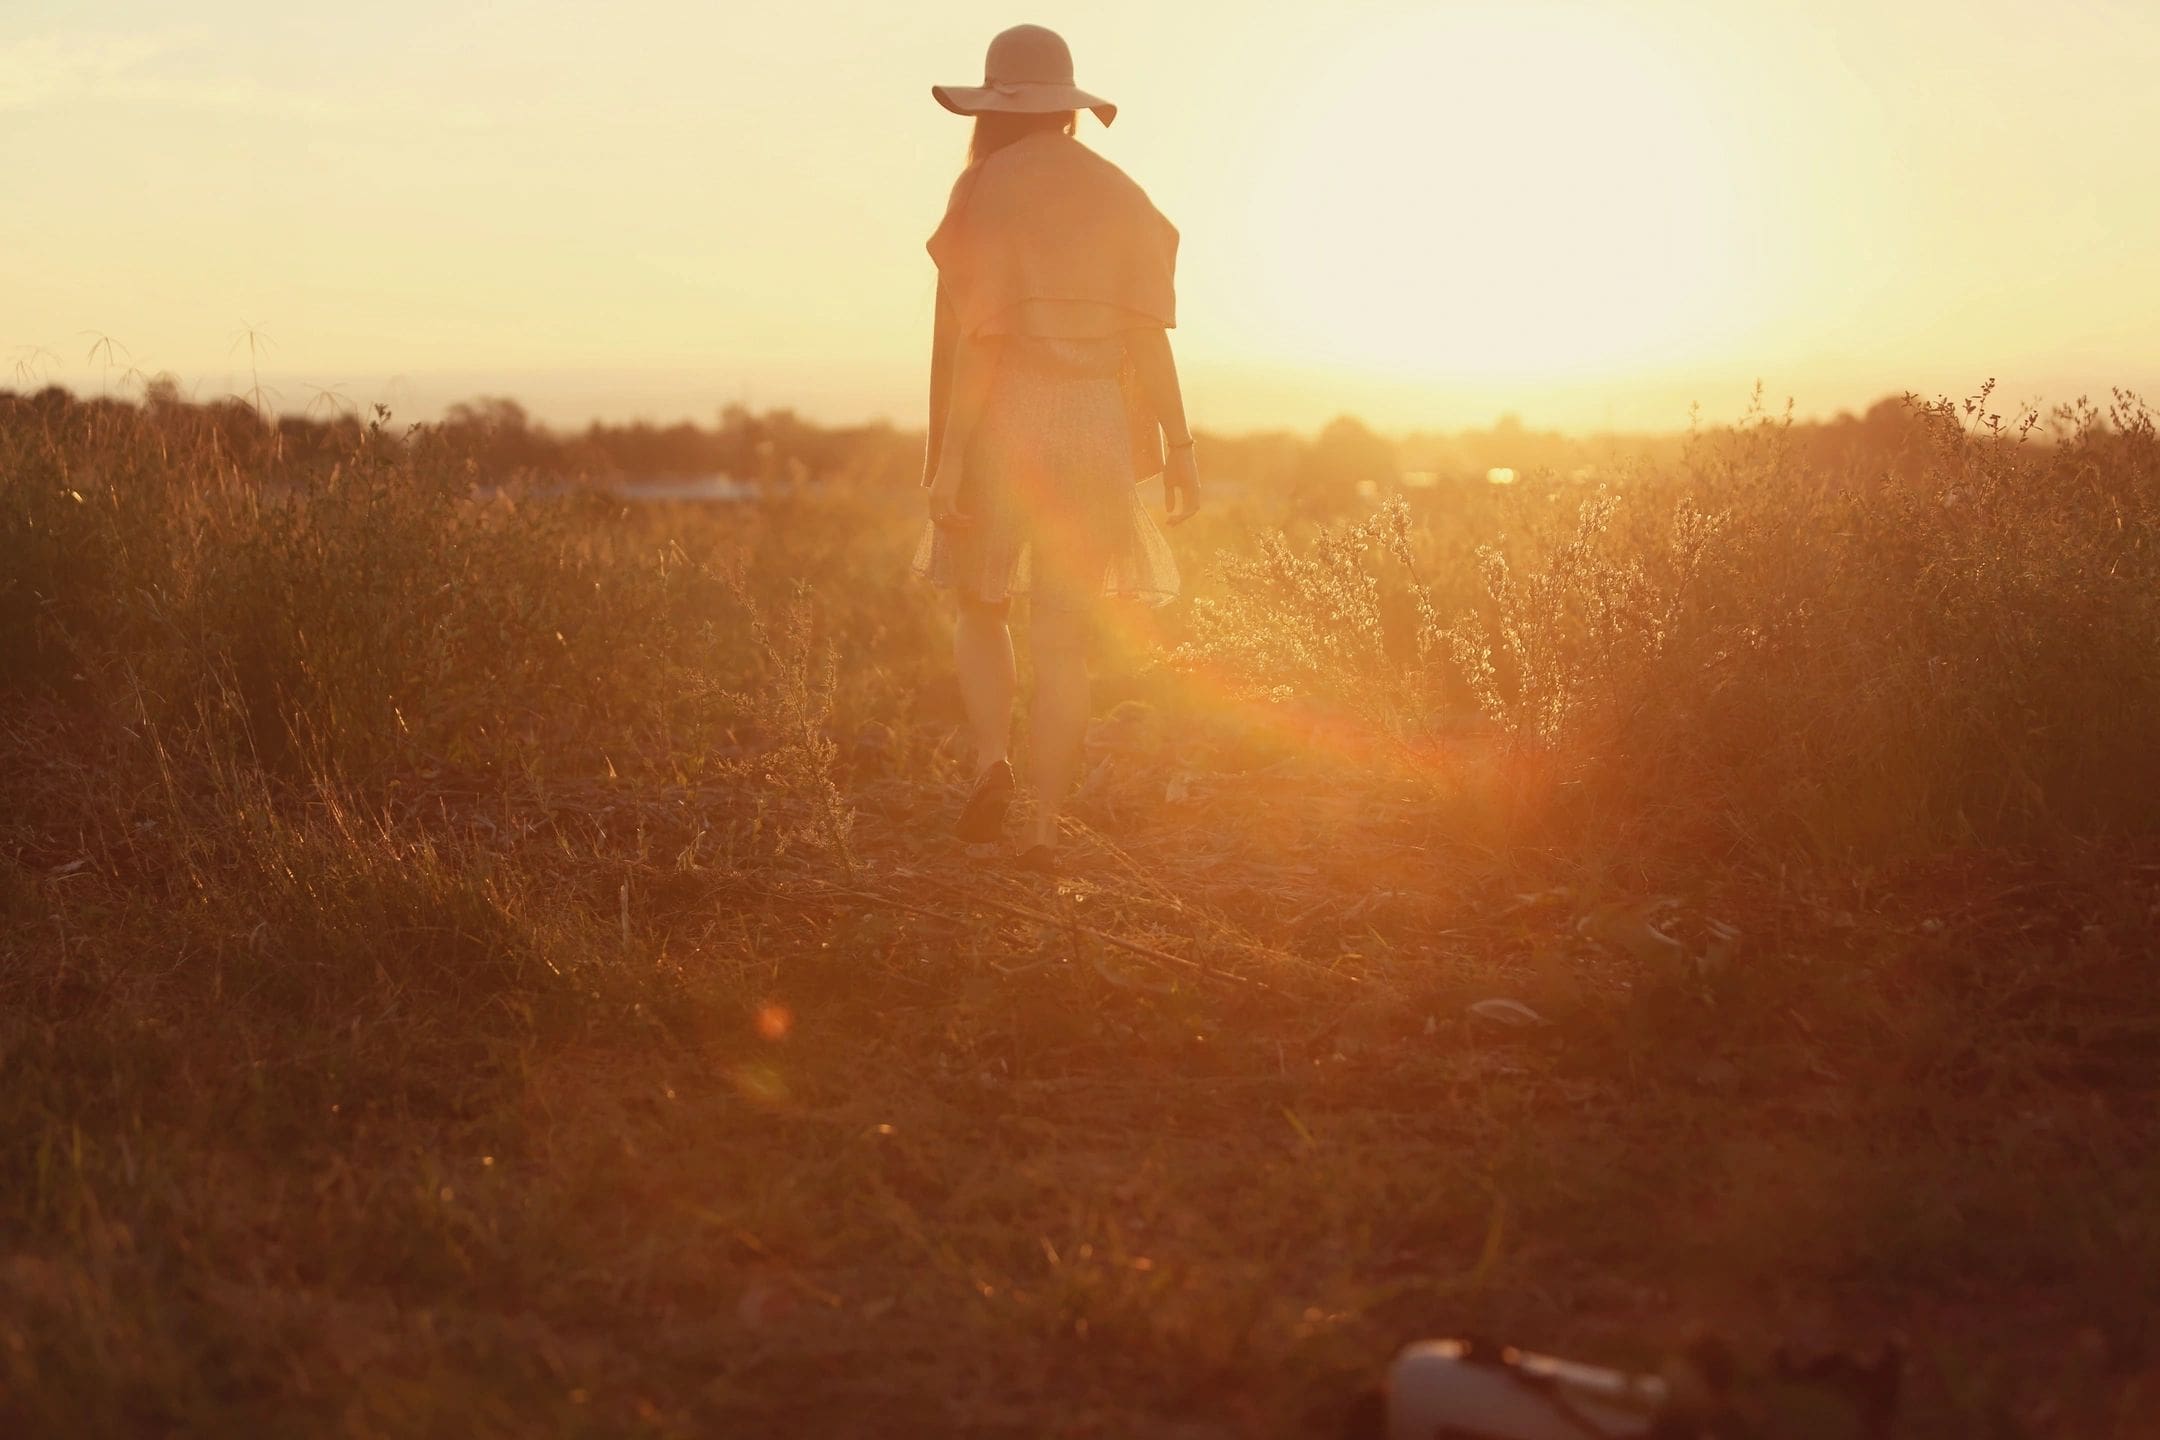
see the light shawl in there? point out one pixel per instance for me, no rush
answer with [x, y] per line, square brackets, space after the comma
[1045, 220]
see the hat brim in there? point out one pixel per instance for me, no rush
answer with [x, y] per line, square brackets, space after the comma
[1021, 100]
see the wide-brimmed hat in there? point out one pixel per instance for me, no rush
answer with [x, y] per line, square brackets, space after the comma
[1029, 71]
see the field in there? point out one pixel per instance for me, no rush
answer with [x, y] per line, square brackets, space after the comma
[490, 962]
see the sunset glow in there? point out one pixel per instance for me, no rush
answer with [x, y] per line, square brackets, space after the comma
[1415, 212]
[1485, 190]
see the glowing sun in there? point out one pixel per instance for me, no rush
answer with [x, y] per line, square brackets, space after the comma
[1494, 190]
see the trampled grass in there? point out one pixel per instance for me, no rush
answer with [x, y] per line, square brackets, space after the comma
[491, 963]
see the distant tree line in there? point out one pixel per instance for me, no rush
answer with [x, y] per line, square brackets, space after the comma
[1321, 474]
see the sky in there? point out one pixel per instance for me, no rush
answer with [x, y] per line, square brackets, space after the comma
[1590, 215]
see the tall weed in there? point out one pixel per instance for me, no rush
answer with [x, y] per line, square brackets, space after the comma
[1745, 651]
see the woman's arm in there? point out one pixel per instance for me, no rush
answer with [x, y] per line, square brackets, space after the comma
[1156, 369]
[944, 331]
[974, 362]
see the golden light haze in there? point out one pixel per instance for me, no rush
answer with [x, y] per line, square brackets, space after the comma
[1590, 214]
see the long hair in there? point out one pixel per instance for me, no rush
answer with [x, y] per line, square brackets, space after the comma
[995, 129]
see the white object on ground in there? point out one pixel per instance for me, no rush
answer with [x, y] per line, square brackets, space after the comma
[1445, 1387]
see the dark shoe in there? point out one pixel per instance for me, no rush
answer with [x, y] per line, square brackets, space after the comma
[982, 819]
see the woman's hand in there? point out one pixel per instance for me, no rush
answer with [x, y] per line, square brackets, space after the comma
[1181, 485]
[944, 498]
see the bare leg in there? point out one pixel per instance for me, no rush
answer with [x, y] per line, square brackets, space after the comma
[1058, 727]
[983, 655]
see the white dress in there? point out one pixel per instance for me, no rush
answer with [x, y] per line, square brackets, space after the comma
[1049, 482]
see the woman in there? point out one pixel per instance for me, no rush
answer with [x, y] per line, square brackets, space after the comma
[1052, 394]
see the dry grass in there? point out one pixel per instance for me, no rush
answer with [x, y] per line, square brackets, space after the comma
[485, 968]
